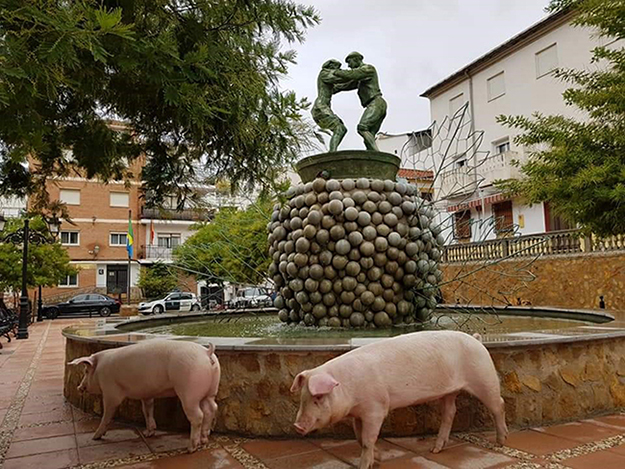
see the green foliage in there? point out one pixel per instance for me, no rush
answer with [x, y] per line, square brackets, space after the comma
[157, 280]
[231, 248]
[579, 165]
[47, 263]
[196, 82]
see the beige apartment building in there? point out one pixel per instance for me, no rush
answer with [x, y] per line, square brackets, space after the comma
[96, 234]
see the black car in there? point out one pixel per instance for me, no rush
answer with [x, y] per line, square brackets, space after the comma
[87, 303]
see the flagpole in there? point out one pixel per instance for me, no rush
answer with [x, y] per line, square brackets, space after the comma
[129, 275]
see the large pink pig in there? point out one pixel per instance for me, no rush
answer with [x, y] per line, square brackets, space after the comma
[156, 368]
[368, 382]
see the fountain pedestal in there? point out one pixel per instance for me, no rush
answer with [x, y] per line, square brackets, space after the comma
[352, 247]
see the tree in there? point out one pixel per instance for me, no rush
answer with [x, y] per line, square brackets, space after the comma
[579, 166]
[157, 280]
[194, 81]
[47, 263]
[231, 248]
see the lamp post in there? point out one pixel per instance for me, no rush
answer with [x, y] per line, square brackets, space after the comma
[25, 237]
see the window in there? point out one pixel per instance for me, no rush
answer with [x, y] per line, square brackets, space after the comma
[501, 146]
[70, 238]
[455, 104]
[69, 281]
[504, 223]
[496, 86]
[546, 61]
[186, 296]
[171, 202]
[462, 224]
[119, 199]
[70, 196]
[118, 239]
[168, 241]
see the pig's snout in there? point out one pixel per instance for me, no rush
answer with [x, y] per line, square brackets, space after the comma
[299, 429]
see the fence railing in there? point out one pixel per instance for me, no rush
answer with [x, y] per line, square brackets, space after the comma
[552, 243]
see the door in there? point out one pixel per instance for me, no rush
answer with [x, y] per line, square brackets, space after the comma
[504, 223]
[186, 301]
[172, 302]
[116, 278]
[78, 304]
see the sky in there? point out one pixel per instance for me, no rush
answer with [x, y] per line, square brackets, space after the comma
[413, 44]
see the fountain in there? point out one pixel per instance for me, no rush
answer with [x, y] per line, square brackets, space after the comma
[356, 258]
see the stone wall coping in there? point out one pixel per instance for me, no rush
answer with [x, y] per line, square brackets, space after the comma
[110, 331]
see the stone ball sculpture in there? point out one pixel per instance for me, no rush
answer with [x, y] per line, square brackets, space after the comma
[354, 253]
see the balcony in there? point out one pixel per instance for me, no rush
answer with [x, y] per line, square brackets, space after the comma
[457, 182]
[152, 252]
[498, 167]
[461, 181]
[173, 214]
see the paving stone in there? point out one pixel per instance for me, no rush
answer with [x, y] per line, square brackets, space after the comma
[45, 431]
[54, 460]
[313, 460]
[41, 445]
[271, 449]
[598, 460]
[584, 432]
[385, 451]
[122, 449]
[111, 436]
[539, 443]
[471, 457]
[209, 459]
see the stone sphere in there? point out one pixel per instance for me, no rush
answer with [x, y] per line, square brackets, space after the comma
[336, 195]
[335, 207]
[348, 184]
[333, 185]
[342, 247]
[351, 213]
[356, 319]
[364, 219]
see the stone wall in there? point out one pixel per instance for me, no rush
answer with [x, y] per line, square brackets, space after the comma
[541, 384]
[567, 281]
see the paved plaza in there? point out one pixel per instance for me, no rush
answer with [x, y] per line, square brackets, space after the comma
[40, 430]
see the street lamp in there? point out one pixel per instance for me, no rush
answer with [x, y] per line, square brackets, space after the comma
[25, 237]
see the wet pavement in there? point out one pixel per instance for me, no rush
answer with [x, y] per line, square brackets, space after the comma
[40, 430]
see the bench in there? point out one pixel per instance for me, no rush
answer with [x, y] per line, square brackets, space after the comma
[8, 322]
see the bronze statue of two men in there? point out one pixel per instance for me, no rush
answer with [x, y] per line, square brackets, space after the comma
[361, 76]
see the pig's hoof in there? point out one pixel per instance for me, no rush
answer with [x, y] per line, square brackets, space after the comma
[149, 433]
[437, 449]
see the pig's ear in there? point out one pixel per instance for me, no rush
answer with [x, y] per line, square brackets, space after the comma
[321, 384]
[298, 382]
[89, 361]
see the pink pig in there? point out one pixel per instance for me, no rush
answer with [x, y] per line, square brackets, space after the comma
[368, 382]
[156, 368]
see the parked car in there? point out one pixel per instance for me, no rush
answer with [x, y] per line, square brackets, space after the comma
[252, 297]
[86, 303]
[176, 302]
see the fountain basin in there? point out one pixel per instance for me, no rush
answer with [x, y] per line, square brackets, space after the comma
[547, 375]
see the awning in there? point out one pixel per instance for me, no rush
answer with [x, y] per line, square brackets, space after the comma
[491, 199]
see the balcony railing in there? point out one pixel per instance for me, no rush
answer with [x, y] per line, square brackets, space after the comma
[173, 214]
[464, 180]
[154, 252]
[457, 182]
[552, 243]
[498, 167]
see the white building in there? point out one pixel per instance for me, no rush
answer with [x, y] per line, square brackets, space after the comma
[11, 207]
[515, 78]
